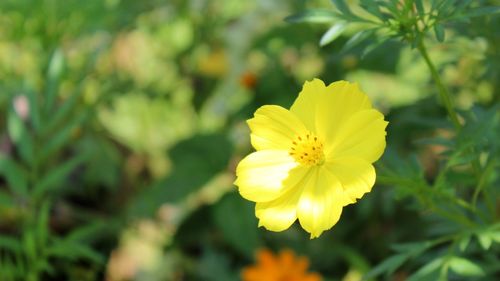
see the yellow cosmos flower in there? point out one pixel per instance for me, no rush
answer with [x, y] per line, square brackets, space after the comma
[313, 159]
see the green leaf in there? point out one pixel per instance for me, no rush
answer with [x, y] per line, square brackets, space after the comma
[464, 242]
[235, 217]
[10, 243]
[74, 251]
[20, 136]
[420, 7]
[57, 176]
[56, 66]
[465, 267]
[195, 161]
[15, 176]
[34, 106]
[428, 272]
[476, 12]
[388, 266]
[439, 32]
[485, 240]
[6, 199]
[342, 7]
[356, 39]
[313, 16]
[333, 33]
[62, 137]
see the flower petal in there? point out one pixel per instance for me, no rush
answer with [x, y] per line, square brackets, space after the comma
[321, 202]
[362, 136]
[356, 176]
[279, 214]
[343, 99]
[323, 108]
[274, 127]
[260, 176]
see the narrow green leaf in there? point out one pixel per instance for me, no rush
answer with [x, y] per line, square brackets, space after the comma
[15, 176]
[420, 7]
[484, 240]
[464, 242]
[388, 266]
[313, 16]
[34, 107]
[63, 111]
[439, 32]
[356, 39]
[465, 267]
[10, 243]
[20, 135]
[342, 6]
[54, 72]
[373, 8]
[57, 176]
[73, 251]
[62, 137]
[476, 12]
[333, 33]
[428, 271]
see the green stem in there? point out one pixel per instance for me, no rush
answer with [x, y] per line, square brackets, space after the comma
[443, 92]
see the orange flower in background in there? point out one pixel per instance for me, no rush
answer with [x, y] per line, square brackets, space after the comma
[285, 266]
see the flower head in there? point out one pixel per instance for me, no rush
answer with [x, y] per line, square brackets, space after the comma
[285, 266]
[313, 159]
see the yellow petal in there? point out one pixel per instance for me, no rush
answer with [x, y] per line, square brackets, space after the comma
[362, 136]
[260, 176]
[306, 103]
[342, 100]
[323, 108]
[356, 176]
[274, 127]
[321, 202]
[279, 214]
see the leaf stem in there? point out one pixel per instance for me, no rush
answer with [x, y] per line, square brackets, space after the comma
[443, 92]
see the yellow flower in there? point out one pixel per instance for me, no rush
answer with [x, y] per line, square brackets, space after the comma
[285, 266]
[313, 159]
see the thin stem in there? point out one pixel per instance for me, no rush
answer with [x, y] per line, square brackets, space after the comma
[443, 92]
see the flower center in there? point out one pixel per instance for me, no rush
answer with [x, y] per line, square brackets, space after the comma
[307, 149]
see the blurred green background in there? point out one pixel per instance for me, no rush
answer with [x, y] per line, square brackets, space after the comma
[122, 122]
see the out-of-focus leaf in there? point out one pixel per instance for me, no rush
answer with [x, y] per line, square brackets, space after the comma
[439, 32]
[388, 266]
[464, 242]
[429, 272]
[195, 161]
[10, 243]
[54, 72]
[465, 267]
[15, 175]
[20, 135]
[420, 7]
[6, 199]
[313, 16]
[372, 7]
[484, 240]
[356, 39]
[235, 217]
[56, 176]
[62, 137]
[333, 33]
[342, 6]
[73, 251]
[476, 12]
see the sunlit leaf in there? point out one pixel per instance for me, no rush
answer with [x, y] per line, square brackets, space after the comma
[333, 33]
[465, 267]
[313, 16]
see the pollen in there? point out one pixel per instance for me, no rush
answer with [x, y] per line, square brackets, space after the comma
[307, 149]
